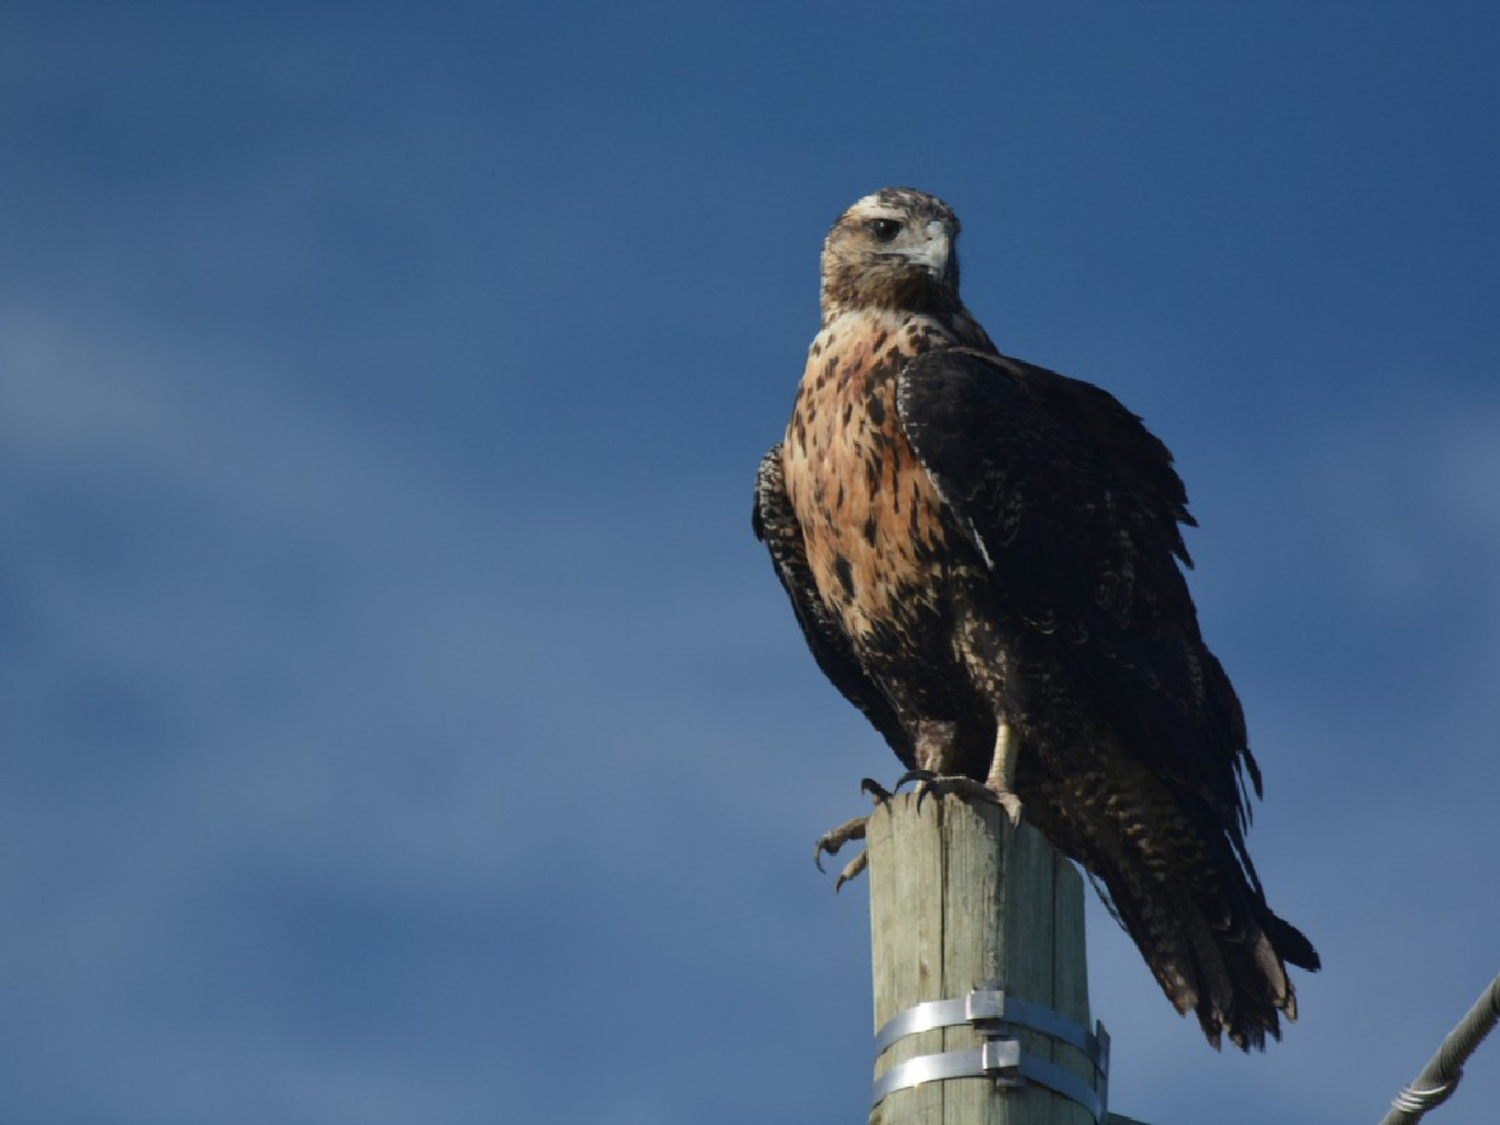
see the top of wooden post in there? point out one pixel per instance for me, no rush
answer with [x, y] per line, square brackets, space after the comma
[958, 897]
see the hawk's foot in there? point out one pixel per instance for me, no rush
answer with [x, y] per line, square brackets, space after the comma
[930, 783]
[854, 829]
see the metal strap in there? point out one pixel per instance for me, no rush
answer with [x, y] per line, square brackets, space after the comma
[992, 1060]
[1061, 1080]
[991, 1013]
[982, 1004]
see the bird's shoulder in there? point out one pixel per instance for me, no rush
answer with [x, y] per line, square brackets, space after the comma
[1006, 439]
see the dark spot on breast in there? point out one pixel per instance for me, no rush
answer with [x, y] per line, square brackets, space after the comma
[845, 572]
[869, 530]
[839, 502]
[877, 410]
[848, 412]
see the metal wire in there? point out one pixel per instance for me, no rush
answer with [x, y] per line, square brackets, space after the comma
[1439, 1078]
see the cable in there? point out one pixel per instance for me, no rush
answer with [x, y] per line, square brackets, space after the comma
[1439, 1078]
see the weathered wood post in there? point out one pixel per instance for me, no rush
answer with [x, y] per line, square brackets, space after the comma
[960, 899]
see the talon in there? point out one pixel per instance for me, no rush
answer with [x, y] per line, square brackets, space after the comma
[1011, 804]
[851, 870]
[854, 829]
[938, 785]
[911, 775]
[835, 838]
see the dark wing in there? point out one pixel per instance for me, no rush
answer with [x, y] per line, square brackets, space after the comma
[775, 524]
[1075, 507]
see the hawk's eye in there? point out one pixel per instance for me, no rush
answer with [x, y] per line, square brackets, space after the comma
[884, 229]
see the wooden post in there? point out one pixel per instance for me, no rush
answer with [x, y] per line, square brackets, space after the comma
[957, 897]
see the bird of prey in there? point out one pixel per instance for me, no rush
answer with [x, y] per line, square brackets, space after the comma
[983, 557]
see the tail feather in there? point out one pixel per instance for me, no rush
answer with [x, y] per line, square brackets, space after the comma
[1176, 882]
[1233, 976]
[1259, 992]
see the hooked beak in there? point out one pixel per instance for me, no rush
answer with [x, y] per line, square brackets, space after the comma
[935, 255]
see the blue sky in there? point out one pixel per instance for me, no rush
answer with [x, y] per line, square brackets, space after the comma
[399, 721]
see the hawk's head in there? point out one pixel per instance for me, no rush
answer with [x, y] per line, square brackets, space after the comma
[895, 249]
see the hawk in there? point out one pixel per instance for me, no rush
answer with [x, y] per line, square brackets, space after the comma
[984, 558]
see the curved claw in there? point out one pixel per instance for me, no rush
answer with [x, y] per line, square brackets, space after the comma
[835, 838]
[854, 829]
[851, 871]
[927, 781]
[938, 784]
[914, 775]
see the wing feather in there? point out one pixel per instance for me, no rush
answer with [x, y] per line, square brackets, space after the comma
[1077, 511]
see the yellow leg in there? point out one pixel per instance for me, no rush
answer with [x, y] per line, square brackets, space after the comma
[1002, 776]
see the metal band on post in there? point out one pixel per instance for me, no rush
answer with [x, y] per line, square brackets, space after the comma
[991, 1013]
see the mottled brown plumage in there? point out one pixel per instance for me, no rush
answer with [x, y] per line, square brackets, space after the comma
[983, 556]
